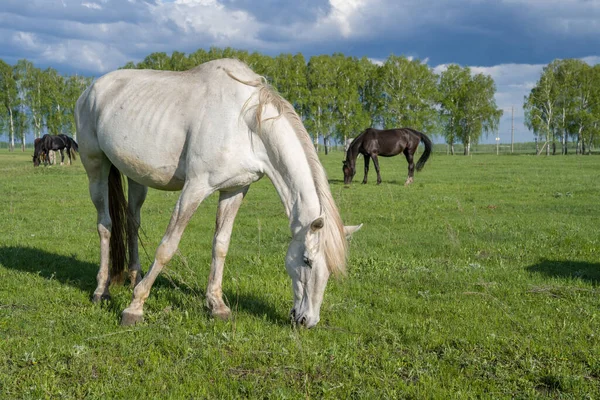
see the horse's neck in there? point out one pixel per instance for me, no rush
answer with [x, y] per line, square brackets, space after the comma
[290, 172]
[352, 152]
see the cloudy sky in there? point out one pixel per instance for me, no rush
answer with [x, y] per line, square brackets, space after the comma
[511, 40]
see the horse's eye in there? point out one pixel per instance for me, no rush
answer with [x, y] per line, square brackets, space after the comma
[307, 262]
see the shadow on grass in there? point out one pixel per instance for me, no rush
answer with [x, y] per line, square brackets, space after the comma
[255, 305]
[65, 269]
[568, 269]
[82, 275]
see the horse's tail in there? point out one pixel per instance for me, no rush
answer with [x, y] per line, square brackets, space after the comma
[428, 147]
[117, 207]
[74, 148]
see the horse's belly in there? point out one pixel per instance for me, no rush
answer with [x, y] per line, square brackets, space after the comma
[158, 176]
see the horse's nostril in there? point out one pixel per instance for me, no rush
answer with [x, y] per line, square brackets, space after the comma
[303, 321]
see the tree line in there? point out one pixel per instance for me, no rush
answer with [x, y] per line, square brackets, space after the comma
[38, 101]
[565, 104]
[336, 96]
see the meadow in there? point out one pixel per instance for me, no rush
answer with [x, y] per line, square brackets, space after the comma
[481, 280]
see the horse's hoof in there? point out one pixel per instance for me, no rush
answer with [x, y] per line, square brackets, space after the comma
[129, 317]
[223, 313]
[98, 298]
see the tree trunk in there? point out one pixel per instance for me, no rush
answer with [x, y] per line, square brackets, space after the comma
[11, 146]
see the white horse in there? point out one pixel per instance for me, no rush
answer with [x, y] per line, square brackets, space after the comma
[220, 127]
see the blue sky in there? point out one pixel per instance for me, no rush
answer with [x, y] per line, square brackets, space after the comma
[511, 40]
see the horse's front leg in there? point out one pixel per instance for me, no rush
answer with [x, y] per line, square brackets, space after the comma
[229, 204]
[136, 196]
[367, 158]
[411, 167]
[191, 196]
[376, 164]
[62, 157]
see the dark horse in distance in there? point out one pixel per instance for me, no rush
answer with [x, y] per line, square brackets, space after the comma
[43, 145]
[386, 143]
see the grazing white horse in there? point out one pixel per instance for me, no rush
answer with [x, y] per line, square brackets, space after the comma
[217, 127]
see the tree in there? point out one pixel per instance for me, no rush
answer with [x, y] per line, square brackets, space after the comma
[350, 116]
[540, 107]
[9, 100]
[321, 81]
[467, 106]
[409, 90]
[54, 109]
[73, 87]
[370, 92]
[159, 61]
[290, 78]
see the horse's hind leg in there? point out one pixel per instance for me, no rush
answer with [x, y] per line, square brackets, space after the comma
[136, 195]
[411, 166]
[97, 169]
[229, 204]
[191, 196]
[62, 157]
[376, 164]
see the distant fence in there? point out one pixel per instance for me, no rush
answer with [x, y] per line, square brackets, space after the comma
[439, 148]
[517, 148]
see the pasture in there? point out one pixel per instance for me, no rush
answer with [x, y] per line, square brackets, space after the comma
[480, 280]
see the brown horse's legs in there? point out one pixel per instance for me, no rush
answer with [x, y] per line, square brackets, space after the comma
[136, 195]
[411, 167]
[191, 196]
[229, 204]
[376, 164]
[367, 158]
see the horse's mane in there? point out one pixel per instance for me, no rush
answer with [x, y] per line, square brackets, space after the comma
[334, 243]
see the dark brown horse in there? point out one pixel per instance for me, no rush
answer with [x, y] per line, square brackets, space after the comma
[386, 143]
[43, 145]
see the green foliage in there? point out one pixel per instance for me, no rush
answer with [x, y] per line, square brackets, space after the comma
[9, 100]
[481, 280]
[337, 97]
[467, 106]
[565, 103]
[409, 92]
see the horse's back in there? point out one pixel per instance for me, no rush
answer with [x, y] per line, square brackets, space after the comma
[147, 122]
[389, 142]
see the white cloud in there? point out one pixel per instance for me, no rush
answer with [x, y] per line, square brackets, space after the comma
[94, 6]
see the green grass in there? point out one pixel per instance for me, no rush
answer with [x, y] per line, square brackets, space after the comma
[481, 280]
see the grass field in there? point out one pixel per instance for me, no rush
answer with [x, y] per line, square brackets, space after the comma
[481, 280]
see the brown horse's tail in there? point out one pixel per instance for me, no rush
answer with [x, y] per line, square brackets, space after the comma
[74, 148]
[428, 147]
[117, 207]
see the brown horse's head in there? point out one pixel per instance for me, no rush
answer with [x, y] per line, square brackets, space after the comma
[36, 160]
[349, 171]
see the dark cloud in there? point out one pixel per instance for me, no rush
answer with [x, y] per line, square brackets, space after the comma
[281, 12]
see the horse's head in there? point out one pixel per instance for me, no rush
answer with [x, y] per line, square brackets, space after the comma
[307, 266]
[36, 160]
[349, 171]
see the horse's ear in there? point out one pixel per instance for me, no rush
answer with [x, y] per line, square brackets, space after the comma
[317, 224]
[349, 230]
